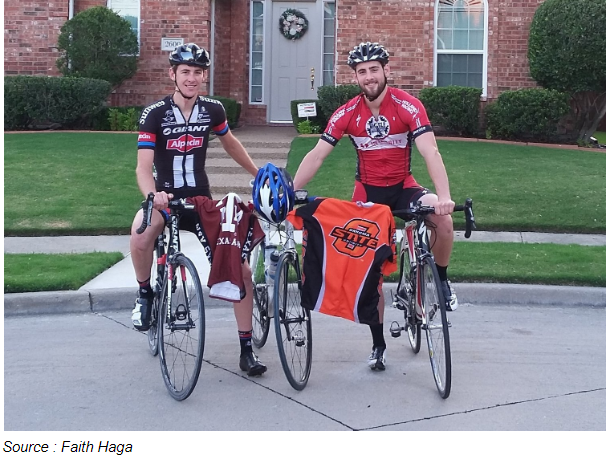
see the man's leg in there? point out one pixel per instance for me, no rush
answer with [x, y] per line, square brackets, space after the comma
[141, 253]
[248, 361]
[377, 359]
[442, 241]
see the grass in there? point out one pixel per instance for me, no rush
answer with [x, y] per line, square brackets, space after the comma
[69, 183]
[600, 136]
[514, 187]
[43, 272]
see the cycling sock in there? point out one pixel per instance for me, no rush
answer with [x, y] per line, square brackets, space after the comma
[145, 288]
[442, 271]
[245, 339]
[377, 331]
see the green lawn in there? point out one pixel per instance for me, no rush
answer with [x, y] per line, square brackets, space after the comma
[514, 187]
[64, 183]
[42, 272]
[69, 183]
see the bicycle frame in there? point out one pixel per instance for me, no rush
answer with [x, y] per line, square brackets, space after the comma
[417, 240]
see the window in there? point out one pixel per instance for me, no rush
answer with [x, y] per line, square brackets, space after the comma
[460, 58]
[256, 52]
[328, 54]
[129, 10]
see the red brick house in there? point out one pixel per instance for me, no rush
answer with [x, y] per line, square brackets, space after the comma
[480, 43]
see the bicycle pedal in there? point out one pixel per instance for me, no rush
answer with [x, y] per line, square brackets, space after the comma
[395, 329]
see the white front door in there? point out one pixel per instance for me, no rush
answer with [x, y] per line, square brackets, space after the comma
[292, 61]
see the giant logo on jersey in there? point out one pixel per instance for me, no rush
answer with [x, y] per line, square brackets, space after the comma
[185, 143]
[356, 237]
[377, 127]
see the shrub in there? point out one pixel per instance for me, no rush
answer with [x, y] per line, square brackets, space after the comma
[318, 123]
[98, 43]
[526, 114]
[232, 107]
[332, 97]
[124, 118]
[455, 108]
[38, 100]
[307, 127]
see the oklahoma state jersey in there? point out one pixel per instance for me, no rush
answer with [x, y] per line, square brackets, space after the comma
[347, 246]
[383, 143]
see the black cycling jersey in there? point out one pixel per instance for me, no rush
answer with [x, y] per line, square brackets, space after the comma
[180, 145]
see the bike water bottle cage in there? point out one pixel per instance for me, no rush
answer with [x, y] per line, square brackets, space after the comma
[366, 52]
[273, 193]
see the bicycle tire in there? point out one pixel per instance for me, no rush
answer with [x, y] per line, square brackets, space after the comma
[182, 331]
[292, 322]
[152, 332]
[436, 330]
[261, 321]
[406, 294]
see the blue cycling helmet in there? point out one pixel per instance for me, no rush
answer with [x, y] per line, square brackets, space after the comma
[273, 193]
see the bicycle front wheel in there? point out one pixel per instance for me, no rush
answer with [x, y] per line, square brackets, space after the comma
[181, 329]
[152, 333]
[406, 295]
[261, 320]
[437, 333]
[292, 322]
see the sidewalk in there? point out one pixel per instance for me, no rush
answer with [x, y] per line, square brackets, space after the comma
[115, 288]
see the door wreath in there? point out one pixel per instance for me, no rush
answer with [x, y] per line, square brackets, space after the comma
[293, 24]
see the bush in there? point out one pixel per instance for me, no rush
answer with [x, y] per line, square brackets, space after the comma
[124, 118]
[526, 114]
[317, 123]
[98, 43]
[332, 97]
[307, 127]
[232, 107]
[31, 101]
[455, 108]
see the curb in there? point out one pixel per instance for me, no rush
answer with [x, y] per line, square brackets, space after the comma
[111, 299]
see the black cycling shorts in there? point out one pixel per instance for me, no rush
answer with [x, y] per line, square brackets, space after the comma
[395, 196]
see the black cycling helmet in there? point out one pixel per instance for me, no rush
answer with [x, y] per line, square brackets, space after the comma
[365, 52]
[189, 54]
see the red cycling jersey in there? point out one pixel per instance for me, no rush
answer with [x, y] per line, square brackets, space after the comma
[383, 144]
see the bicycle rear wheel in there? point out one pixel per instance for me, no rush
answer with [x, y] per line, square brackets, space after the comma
[292, 322]
[406, 295]
[261, 321]
[437, 333]
[181, 329]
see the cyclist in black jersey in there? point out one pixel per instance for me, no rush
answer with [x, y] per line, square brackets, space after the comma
[173, 137]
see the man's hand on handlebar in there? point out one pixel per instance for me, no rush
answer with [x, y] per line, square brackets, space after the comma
[444, 207]
[161, 200]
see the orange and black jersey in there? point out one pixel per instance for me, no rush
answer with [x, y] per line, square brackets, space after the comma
[347, 246]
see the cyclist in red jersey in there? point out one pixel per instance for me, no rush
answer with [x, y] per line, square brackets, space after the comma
[173, 136]
[382, 122]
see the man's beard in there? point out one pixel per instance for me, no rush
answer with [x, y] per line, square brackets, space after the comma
[378, 91]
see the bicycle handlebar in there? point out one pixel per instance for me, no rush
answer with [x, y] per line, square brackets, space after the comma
[147, 206]
[423, 210]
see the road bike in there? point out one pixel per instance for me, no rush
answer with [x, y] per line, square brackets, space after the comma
[280, 300]
[419, 293]
[177, 332]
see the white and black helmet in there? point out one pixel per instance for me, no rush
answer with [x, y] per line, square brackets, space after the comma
[365, 52]
[189, 54]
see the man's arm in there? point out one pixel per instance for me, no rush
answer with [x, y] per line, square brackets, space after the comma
[437, 171]
[145, 179]
[235, 150]
[311, 163]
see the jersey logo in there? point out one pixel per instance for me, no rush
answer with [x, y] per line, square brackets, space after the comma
[356, 237]
[377, 128]
[179, 144]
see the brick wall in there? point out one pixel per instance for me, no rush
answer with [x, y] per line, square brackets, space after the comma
[31, 31]
[405, 27]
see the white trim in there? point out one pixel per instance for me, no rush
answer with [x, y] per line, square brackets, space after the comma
[212, 47]
[483, 52]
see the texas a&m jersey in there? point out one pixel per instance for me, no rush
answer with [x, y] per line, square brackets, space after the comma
[347, 246]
